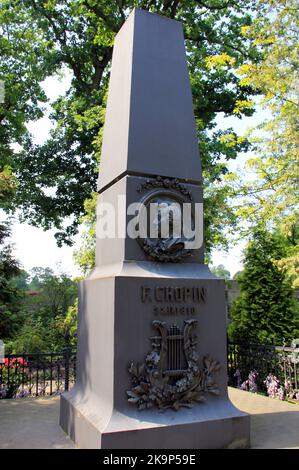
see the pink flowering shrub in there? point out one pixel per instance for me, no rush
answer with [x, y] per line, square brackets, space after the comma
[12, 374]
[290, 391]
[250, 384]
[274, 388]
[15, 362]
[281, 391]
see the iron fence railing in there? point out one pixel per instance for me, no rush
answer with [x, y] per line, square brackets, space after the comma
[38, 374]
[281, 361]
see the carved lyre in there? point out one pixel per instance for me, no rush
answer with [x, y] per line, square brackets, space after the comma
[174, 346]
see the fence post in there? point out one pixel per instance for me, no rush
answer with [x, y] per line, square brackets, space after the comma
[67, 354]
[227, 359]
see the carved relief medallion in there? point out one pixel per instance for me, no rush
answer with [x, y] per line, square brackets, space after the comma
[163, 208]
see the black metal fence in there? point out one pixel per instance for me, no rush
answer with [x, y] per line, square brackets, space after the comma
[281, 361]
[39, 374]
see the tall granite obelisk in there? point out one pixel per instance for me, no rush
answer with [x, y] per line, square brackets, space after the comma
[151, 361]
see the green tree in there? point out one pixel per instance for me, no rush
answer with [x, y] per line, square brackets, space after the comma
[49, 310]
[40, 38]
[39, 276]
[7, 186]
[70, 323]
[265, 311]
[21, 280]
[10, 296]
[269, 197]
[33, 337]
[85, 256]
[289, 263]
[22, 68]
[54, 293]
[274, 191]
[221, 271]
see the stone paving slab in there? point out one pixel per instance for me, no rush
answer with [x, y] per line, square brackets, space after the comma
[32, 423]
[274, 423]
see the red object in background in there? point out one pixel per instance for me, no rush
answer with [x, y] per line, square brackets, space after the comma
[15, 361]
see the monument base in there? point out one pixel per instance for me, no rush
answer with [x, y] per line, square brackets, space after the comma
[120, 307]
[218, 425]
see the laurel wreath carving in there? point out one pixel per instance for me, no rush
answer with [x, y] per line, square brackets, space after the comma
[158, 251]
[165, 183]
[152, 388]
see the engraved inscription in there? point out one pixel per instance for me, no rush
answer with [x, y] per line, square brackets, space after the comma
[173, 294]
[169, 300]
[173, 310]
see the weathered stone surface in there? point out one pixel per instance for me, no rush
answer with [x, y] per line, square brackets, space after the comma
[149, 123]
[113, 250]
[150, 133]
[115, 326]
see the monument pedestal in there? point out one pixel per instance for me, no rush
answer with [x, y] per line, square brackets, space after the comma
[151, 360]
[187, 430]
[116, 328]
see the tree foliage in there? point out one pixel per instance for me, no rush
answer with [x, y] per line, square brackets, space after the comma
[7, 186]
[54, 293]
[10, 295]
[85, 255]
[221, 271]
[268, 195]
[265, 311]
[49, 311]
[41, 38]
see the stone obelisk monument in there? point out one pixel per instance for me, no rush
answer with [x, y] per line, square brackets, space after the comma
[151, 362]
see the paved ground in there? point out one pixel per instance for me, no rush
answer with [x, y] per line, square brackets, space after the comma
[274, 423]
[33, 423]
